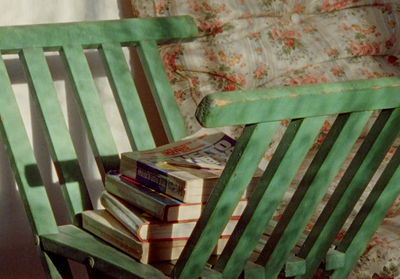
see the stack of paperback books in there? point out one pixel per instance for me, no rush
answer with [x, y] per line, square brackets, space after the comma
[153, 202]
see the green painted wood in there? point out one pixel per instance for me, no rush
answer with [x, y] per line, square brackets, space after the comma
[27, 176]
[334, 260]
[226, 194]
[272, 104]
[161, 89]
[76, 244]
[294, 266]
[253, 271]
[370, 216]
[56, 132]
[90, 108]
[312, 188]
[126, 97]
[267, 195]
[92, 34]
[350, 188]
[209, 273]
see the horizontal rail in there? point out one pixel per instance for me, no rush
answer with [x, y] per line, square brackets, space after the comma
[274, 104]
[92, 34]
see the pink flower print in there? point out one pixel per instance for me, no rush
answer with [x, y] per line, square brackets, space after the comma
[220, 8]
[235, 59]
[169, 64]
[260, 71]
[230, 87]
[289, 42]
[336, 70]
[295, 80]
[359, 49]
[254, 35]
[309, 79]
[330, 51]
[298, 9]
[222, 56]
[308, 28]
[276, 33]
[178, 96]
[291, 34]
[390, 42]
[241, 79]
[369, 30]
[391, 23]
[330, 5]
[344, 26]
[210, 54]
[206, 7]
[160, 5]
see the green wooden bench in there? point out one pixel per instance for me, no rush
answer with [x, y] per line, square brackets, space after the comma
[260, 110]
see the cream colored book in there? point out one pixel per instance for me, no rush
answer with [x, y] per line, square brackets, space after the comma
[102, 224]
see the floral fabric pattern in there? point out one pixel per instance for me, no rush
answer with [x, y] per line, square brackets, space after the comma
[249, 44]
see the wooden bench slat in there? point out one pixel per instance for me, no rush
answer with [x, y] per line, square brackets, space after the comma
[236, 176]
[24, 165]
[161, 89]
[90, 108]
[92, 34]
[126, 96]
[267, 195]
[311, 189]
[26, 172]
[55, 130]
[368, 219]
[79, 245]
[291, 102]
[351, 186]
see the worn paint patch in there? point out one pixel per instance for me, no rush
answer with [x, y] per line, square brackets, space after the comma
[380, 87]
[221, 103]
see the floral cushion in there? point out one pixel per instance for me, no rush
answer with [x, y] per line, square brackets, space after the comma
[248, 44]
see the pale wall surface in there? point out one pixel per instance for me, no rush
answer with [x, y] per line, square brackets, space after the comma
[18, 258]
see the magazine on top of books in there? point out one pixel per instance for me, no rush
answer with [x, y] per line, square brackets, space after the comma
[148, 228]
[186, 170]
[159, 205]
[103, 225]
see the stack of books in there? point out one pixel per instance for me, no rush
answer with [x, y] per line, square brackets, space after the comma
[153, 202]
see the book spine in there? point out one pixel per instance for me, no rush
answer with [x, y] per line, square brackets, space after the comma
[113, 237]
[155, 178]
[135, 197]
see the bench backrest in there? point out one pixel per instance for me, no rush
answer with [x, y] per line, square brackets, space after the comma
[70, 41]
[261, 111]
[306, 107]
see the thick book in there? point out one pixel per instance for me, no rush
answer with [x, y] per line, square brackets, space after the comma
[159, 205]
[186, 170]
[103, 225]
[147, 228]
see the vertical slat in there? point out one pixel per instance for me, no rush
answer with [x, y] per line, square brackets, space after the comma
[231, 185]
[369, 218]
[312, 188]
[350, 188]
[56, 132]
[90, 108]
[161, 89]
[269, 191]
[126, 96]
[26, 173]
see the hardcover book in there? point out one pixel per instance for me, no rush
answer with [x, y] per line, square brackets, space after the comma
[159, 205]
[186, 170]
[147, 228]
[105, 226]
